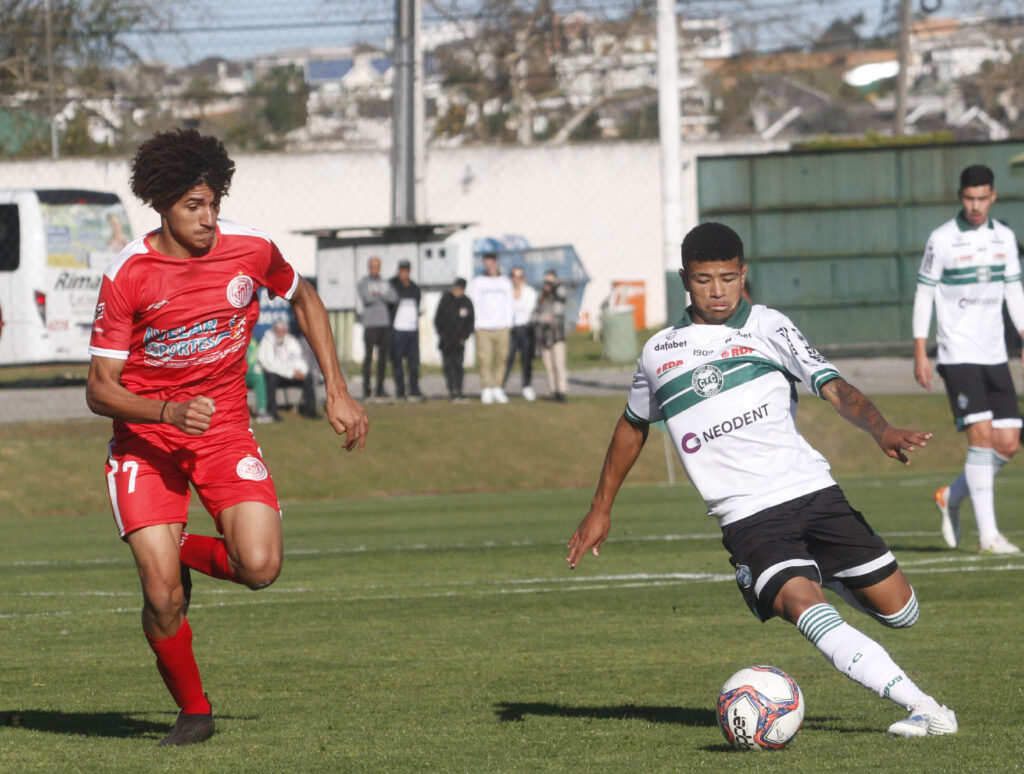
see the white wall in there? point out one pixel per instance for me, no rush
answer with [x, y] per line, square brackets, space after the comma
[602, 198]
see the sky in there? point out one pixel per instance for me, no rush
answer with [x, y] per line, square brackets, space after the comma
[238, 29]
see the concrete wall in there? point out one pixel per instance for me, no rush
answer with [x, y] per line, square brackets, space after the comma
[604, 199]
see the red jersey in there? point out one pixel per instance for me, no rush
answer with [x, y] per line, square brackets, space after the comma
[182, 325]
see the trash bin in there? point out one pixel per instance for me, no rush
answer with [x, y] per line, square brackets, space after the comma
[618, 336]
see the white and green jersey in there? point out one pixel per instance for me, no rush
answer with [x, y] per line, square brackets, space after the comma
[727, 394]
[968, 272]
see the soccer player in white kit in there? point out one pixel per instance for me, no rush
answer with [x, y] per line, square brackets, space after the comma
[723, 380]
[970, 267]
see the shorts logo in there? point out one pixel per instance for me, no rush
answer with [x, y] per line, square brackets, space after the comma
[690, 443]
[251, 469]
[744, 577]
[707, 381]
[962, 401]
[240, 291]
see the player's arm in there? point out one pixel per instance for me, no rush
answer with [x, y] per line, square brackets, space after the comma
[627, 443]
[106, 396]
[924, 298]
[854, 406]
[343, 411]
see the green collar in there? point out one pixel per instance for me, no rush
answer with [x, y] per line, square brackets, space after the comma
[963, 225]
[738, 319]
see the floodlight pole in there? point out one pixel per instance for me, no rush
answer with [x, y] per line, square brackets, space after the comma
[668, 131]
[902, 78]
[407, 115]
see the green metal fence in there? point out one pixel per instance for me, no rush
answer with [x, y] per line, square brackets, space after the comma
[834, 238]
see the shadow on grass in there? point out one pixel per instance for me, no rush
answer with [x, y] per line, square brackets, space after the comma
[112, 724]
[684, 716]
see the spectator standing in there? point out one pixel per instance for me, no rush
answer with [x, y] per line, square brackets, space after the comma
[454, 325]
[405, 332]
[491, 293]
[521, 338]
[549, 326]
[375, 294]
[284, 365]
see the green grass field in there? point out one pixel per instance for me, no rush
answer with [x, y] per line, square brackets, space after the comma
[443, 631]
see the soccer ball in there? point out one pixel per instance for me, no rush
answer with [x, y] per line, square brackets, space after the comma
[760, 708]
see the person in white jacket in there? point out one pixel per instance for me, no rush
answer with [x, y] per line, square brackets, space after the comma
[284, 365]
[492, 296]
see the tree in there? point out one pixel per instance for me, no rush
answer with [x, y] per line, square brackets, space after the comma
[89, 40]
[840, 34]
[505, 64]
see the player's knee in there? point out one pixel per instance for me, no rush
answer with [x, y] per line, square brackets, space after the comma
[1007, 448]
[260, 570]
[904, 618]
[165, 602]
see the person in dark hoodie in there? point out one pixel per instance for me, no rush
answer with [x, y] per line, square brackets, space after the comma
[454, 322]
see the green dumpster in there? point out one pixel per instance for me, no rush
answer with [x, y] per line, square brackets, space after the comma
[618, 337]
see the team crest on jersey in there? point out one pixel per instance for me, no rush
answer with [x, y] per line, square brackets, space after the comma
[707, 381]
[240, 291]
[251, 469]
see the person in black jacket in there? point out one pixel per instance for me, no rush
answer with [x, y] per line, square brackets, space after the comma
[405, 333]
[454, 325]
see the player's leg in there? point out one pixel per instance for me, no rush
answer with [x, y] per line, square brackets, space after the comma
[968, 393]
[253, 542]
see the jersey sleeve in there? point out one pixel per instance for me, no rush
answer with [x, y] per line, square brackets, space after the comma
[641, 406]
[931, 263]
[797, 356]
[112, 322]
[281, 279]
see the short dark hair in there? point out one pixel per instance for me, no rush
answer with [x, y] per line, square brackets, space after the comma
[711, 242]
[976, 174]
[167, 165]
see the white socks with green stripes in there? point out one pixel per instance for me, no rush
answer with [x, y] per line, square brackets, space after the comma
[980, 471]
[858, 656]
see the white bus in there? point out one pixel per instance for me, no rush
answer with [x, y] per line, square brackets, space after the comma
[54, 245]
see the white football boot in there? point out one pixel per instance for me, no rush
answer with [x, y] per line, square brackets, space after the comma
[998, 545]
[926, 721]
[950, 517]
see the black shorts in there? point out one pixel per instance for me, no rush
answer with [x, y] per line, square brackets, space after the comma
[818, 536]
[980, 392]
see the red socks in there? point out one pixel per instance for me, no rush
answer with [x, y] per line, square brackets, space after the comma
[177, 666]
[207, 555]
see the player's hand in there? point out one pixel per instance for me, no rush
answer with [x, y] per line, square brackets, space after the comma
[923, 372]
[348, 419]
[589, 536]
[193, 416]
[895, 442]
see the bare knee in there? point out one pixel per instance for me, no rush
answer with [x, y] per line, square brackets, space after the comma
[1007, 448]
[259, 569]
[163, 606]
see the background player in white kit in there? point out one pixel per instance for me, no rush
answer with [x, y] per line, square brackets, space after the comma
[970, 267]
[722, 380]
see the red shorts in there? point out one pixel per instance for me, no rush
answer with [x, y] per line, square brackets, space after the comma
[148, 478]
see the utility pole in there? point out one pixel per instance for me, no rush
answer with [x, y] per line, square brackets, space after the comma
[903, 76]
[668, 131]
[407, 146]
[48, 21]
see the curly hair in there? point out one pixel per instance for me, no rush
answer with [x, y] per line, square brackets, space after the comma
[167, 165]
[711, 242]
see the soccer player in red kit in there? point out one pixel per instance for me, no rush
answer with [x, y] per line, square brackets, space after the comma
[172, 324]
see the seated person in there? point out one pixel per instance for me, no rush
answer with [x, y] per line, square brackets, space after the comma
[284, 365]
